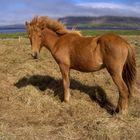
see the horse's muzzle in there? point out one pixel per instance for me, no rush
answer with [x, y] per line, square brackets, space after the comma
[35, 55]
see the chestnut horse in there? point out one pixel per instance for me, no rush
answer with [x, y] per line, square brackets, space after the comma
[71, 50]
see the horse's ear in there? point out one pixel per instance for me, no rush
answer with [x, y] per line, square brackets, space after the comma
[26, 23]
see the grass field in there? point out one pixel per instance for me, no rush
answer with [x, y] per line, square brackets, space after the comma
[31, 92]
[84, 32]
[120, 32]
[12, 35]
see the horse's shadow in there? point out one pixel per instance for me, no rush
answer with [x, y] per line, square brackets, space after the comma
[96, 93]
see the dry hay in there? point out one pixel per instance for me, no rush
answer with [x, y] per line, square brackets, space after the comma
[31, 92]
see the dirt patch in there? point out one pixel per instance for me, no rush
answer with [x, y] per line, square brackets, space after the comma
[31, 96]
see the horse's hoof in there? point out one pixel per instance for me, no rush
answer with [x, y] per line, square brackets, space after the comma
[124, 112]
[66, 100]
[121, 113]
[117, 110]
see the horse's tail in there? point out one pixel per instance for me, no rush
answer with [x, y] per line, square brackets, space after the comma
[129, 69]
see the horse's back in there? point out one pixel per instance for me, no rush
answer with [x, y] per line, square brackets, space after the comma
[113, 39]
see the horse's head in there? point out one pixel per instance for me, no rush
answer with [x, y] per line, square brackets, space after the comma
[38, 30]
[34, 34]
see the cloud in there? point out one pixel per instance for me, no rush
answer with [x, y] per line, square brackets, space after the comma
[101, 5]
[18, 11]
[113, 8]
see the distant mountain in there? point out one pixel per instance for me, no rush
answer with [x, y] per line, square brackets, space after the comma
[15, 26]
[102, 22]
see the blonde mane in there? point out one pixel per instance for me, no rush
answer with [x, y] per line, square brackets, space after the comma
[58, 27]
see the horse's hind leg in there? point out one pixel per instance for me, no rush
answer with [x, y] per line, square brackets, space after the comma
[123, 91]
[123, 94]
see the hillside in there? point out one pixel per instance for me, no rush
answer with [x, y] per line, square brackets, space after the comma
[14, 26]
[102, 22]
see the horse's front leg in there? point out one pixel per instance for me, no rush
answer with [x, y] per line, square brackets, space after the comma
[66, 82]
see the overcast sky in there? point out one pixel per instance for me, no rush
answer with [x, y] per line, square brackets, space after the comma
[18, 11]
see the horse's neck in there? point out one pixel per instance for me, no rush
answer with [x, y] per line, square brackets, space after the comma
[49, 39]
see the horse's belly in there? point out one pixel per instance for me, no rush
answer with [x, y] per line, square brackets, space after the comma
[87, 61]
[88, 67]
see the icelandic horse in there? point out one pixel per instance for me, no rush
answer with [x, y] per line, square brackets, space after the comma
[71, 50]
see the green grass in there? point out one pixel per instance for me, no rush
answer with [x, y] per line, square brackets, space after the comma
[12, 35]
[101, 32]
[84, 32]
